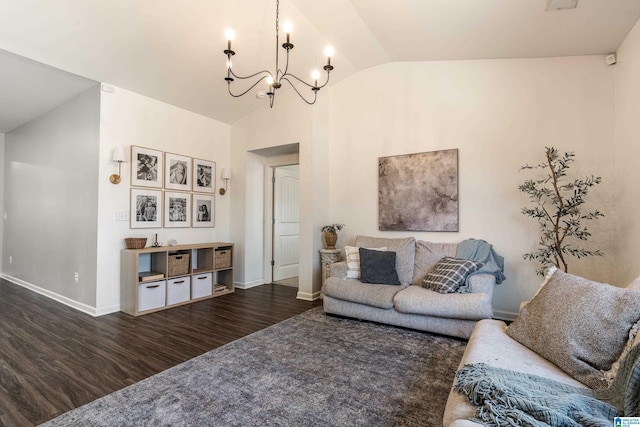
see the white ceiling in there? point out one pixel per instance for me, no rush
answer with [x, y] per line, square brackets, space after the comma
[172, 50]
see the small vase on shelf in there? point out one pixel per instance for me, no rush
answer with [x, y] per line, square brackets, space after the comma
[330, 239]
[331, 234]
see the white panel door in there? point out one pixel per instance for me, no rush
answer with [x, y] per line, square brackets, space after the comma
[286, 222]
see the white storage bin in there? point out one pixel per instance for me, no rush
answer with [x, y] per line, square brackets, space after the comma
[178, 290]
[201, 286]
[152, 295]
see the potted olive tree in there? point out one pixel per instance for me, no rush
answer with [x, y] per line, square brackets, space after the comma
[557, 206]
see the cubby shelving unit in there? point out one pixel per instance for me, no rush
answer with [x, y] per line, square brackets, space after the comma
[158, 278]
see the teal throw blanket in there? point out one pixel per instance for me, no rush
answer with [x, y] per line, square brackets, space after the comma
[509, 398]
[479, 250]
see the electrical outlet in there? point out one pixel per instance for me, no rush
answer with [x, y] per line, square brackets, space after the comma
[10, 259]
[76, 277]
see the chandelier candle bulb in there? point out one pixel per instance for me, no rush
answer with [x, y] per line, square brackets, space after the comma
[229, 35]
[287, 29]
[277, 77]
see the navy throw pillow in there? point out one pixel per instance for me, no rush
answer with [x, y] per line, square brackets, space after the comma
[378, 267]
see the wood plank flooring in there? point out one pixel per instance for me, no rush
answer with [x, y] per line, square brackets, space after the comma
[54, 358]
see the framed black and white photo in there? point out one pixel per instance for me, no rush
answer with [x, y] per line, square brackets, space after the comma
[146, 208]
[177, 172]
[204, 176]
[177, 209]
[146, 167]
[203, 211]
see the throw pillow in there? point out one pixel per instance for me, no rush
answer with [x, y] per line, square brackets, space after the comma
[378, 267]
[427, 256]
[404, 247]
[579, 325]
[352, 255]
[449, 274]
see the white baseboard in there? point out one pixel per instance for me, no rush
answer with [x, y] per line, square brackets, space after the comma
[107, 310]
[505, 315]
[91, 311]
[247, 285]
[307, 296]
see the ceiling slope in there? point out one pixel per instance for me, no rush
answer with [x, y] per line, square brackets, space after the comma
[172, 51]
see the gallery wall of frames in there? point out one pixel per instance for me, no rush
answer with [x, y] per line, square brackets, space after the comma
[171, 190]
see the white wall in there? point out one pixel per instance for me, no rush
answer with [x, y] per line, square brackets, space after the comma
[288, 122]
[51, 199]
[500, 114]
[627, 153]
[1, 196]
[131, 119]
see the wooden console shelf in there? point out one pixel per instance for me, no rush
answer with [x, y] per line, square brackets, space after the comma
[157, 278]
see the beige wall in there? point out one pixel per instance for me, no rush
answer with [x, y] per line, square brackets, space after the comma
[627, 155]
[288, 122]
[129, 119]
[51, 199]
[1, 195]
[500, 114]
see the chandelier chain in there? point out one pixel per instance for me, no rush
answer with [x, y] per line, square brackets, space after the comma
[276, 77]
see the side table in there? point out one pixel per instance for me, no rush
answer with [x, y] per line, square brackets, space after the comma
[328, 257]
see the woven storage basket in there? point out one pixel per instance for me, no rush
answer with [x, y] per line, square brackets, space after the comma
[135, 242]
[222, 258]
[178, 264]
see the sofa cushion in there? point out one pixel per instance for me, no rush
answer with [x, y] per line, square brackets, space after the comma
[418, 300]
[378, 267]
[405, 249]
[427, 256]
[490, 344]
[449, 274]
[352, 255]
[380, 296]
[578, 324]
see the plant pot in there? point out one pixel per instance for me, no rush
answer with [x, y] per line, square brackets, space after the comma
[330, 239]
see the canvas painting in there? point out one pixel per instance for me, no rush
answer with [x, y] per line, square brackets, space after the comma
[418, 192]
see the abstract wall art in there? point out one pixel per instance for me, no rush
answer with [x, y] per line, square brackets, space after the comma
[418, 192]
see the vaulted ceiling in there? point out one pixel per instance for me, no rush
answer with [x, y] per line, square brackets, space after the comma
[172, 50]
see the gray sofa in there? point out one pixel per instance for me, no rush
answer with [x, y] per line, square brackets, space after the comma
[490, 344]
[410, 305]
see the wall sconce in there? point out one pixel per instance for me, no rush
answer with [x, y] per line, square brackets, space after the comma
[120, 157]
[226, 176]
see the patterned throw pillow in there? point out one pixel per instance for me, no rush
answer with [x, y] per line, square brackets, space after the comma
[352, 254]
[449, 274]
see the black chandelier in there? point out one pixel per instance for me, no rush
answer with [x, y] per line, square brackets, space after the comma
[274, 82]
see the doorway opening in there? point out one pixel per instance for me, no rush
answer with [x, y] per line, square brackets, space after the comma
[285, 224]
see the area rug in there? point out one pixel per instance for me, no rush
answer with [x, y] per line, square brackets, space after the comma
[310, 370]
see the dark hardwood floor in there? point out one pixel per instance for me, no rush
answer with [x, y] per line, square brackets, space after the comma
[54, 358]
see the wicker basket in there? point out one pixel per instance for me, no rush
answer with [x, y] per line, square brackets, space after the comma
[178, 264]
[222, 258]
[135, 242]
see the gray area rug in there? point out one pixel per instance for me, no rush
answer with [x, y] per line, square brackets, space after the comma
[310, 370]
